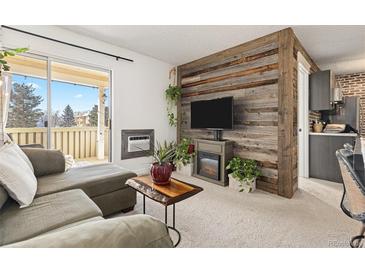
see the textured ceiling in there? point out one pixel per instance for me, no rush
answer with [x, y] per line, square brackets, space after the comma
[341, 48]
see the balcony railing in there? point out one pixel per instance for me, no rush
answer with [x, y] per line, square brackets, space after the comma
[80, 142]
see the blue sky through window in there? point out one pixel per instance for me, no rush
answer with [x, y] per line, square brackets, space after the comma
[80, 98]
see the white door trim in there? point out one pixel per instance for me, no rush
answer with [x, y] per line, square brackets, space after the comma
[303, 116]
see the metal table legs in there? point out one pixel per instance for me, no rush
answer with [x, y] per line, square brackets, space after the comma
[173, 220]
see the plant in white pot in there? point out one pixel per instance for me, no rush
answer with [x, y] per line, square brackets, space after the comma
[243, 174]
[184, 157]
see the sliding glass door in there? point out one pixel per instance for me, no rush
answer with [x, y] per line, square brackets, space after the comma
[79, 118]
[62, 106]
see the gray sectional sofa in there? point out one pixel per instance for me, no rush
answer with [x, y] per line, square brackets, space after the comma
[69, 209]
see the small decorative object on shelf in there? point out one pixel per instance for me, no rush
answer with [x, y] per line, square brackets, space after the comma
[317, 126]
[161, 167]
[184, 156]
[243, 174]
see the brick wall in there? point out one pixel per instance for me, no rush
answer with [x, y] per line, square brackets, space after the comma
[354, 85]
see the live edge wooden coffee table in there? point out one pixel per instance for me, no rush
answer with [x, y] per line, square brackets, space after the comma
[166, 195]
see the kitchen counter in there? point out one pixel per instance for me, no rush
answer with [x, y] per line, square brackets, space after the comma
[333, 134]
[323, 163]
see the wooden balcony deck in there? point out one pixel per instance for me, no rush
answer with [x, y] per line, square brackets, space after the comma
[80, 142]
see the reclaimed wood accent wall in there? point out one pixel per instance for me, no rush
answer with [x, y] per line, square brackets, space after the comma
[260, 75]
[249, 73]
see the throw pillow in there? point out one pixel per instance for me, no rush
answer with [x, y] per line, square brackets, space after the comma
[16, 176]
[69, 162]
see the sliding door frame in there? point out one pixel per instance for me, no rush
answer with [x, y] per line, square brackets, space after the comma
[49, 59]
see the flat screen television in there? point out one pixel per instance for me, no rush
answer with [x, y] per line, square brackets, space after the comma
[212, 114]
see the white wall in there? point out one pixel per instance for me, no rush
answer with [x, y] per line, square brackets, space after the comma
[138, 87]
[345, 67]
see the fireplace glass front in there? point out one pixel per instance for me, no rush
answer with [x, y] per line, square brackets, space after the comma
[208, 165]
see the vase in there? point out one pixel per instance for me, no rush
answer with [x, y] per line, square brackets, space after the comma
[161, 173]
[186, 170]
[318, 127]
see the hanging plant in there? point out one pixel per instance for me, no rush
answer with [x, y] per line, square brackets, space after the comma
[173, 94]
[4, 66]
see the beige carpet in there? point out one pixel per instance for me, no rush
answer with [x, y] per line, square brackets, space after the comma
[221, 217]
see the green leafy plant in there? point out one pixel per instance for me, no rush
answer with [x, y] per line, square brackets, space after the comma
[4, 66]
[164, 153]
[243, 169]
[183, 155]
[172, 94]
[172, 118]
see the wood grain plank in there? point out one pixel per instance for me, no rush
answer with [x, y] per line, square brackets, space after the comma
[286, 102]
[233, 87]
[230, 57]
[272, 74]
[241, 60]
[224, 54]
[246, 72]
[245, 66]
[260, 94]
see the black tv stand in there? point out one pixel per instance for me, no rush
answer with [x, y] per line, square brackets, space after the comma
[218, 133]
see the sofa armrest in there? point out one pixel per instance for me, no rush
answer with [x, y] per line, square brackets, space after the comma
[31, 146]
[133, 231]
[45, 161]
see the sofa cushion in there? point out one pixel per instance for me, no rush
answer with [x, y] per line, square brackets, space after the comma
[45, 161]
[137, 231]
[3, 196]
[94, 180]
[44, 214]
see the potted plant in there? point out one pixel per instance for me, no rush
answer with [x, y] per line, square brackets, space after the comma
[4, 66]
[173, 94]
[243, 174]
[161, 167]
[184, 156]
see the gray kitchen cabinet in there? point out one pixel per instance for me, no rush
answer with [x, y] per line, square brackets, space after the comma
[323, 162]
[321, 84]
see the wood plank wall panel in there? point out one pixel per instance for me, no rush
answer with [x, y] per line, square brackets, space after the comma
[286, 116]
[295, 123]
[261, 75]
[250, 74]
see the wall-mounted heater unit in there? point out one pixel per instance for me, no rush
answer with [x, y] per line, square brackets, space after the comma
[138, 143]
